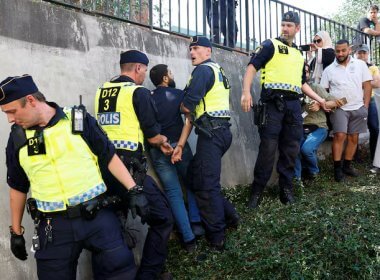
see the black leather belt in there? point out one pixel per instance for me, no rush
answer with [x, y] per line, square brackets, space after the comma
[71, 212]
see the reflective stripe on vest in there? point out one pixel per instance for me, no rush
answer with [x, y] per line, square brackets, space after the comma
[116, 115]
[216, 101]
[67, 174]
[284, 70]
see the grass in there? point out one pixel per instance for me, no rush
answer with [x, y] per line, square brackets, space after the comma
[332, 232]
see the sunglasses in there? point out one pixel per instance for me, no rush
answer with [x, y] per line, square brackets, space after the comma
[317, 41]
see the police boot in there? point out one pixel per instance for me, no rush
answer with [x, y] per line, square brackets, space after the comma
[349, 170]
[233, 221]
[338, 172]
[287, 197]
[254, 201]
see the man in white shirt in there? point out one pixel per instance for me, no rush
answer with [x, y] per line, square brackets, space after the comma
[350, 78]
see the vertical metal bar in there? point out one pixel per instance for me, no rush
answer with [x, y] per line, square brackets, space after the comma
[253, 26]
[170, 15]
[270, 17]
[227, 33]
[160, 12]
[304, 23]
[204, 17]
[277, 17]
[179, 16]
[196, 16]
[265, 19]
[150, 14]
[259, 9]
[219, 22]
[241, 25]
[247, 26]
[187, 13]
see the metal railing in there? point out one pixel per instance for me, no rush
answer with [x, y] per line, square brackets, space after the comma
[242, 26]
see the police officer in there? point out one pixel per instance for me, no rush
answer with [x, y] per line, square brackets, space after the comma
[125, 111]
[282, 79]
[225, 24]
[53, 152]
[207, 98]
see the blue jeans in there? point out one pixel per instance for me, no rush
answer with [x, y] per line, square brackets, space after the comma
[308, 152]
[170, 175]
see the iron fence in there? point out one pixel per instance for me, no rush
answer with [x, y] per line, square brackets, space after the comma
[240, 25]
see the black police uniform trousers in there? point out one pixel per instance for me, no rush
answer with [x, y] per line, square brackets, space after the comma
[227, 20]
[160, 226]
[283, 132]
[58, 258]
[160, 219]
[204, 179]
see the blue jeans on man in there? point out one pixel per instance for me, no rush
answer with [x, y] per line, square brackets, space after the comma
[170, 175]
[307, 158]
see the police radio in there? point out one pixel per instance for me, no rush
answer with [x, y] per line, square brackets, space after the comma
[77, 117]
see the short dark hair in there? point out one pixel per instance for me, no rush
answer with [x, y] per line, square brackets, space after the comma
[342, 42]
[37, 95]
[157, 73]
[373, 7]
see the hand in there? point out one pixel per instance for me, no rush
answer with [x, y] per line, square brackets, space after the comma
[177, 154]
[246, 101]
[339, 103]
[313, 47]
[166, 149]
[314, 106]
[138, 203]
[324, 106]
[18, 245]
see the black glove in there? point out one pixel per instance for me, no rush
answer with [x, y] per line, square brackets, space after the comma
[18, 245]
[138, 203]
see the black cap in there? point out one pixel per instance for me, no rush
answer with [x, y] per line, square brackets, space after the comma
[134, 56]
[200, 41]
[291, 16]
[13, 88]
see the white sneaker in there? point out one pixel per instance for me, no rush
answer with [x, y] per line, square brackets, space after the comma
[375, 170]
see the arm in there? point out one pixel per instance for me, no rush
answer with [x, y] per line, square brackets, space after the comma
[121, 173]
[309, 92]
[375, 83]
[367, 89]
[177, 154]
[246, 97]
[17, 203]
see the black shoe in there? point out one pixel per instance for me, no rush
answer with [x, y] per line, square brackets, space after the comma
[287, 197]
[254, 201]
[190, 246]
[197, 229]
[350, 171]
[338, 175]
[233, 221]
[218, 246]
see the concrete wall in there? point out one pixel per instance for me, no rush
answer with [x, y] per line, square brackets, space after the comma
[70, 54]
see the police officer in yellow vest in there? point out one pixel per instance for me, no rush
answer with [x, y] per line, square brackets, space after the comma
[55, 153]
[278, 113]
[207, 98]
[126, 113]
